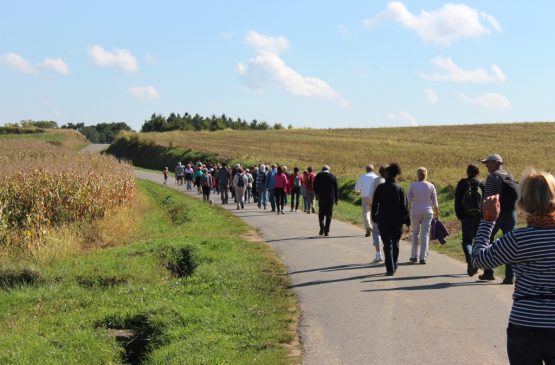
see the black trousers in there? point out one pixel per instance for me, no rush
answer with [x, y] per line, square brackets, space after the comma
[325, 212]
[530, 345]
[390, 238]
[279, 194]
[295, 197]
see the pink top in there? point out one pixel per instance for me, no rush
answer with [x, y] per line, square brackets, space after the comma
[281, 181]
[422, 197]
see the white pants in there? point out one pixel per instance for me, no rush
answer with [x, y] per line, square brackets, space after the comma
[420, 229]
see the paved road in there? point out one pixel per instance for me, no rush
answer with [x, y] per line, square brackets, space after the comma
[353, 314]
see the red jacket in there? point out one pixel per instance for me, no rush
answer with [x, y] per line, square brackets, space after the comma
[292, 180]
[309, 182]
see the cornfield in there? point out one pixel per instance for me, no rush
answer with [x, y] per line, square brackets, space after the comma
[43, 186]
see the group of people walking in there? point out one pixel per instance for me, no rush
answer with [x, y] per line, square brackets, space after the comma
[483, 209]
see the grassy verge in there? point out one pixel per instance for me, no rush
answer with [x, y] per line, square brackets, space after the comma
[191, 290]
[69, 139]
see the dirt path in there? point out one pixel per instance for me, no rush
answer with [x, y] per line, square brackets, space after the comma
[353, 314]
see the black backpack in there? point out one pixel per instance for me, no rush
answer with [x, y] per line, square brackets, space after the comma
[240, 181]
[509, 194]
[471, 201]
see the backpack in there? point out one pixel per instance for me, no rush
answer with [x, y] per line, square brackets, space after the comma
[297, 182]
[509, 194]
[240, 181]
[471, 201]
[205, 180]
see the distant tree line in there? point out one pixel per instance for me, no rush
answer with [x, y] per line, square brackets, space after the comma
[187, 122]
[101, 132]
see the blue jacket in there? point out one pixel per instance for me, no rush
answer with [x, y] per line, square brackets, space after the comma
[438, 231]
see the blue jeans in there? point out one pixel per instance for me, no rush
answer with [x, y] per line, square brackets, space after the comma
[272, 198]
[376, 235]
[505, 223]
[469, 228]
[530, 345]
[262, 195]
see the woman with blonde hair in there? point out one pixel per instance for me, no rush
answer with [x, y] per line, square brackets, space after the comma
[531, 249]
[422, 198]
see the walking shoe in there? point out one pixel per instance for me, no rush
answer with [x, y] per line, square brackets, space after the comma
[368, 232]
[296, 210]
[378, 257]
[471, 270]
[413, 260]
[389, 273]
[423, 262]
[321, 231]
[291, 209]
[259, 206]
[508, 281]
[242, 206]
[486, 277]
[326, 234]
[313, 210]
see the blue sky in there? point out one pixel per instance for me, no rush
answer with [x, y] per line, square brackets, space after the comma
[313, 64]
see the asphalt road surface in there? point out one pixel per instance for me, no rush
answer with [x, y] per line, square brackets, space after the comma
[352, 314]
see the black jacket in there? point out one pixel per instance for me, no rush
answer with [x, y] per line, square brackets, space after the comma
[459, 192]
[390, 205]
[325, 187]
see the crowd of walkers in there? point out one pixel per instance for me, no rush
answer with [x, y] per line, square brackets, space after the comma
[482, 207]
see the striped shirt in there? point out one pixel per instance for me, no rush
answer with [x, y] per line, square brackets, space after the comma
[494, 183]
[532, 252]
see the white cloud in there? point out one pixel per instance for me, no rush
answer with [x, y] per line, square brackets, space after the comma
[268, 67]
[401, 117]
[263, 43]
[119, 58]
[457, 74]
[20, 64]
[144, 92]
[56, 64]
[491, 101]
[443, 26]
[431, 96]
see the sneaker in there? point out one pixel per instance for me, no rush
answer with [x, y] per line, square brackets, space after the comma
[486, 277]
[291, 209]
[377, 258]
[368, 232]
[413, 260]
[508, 281]
[296, 210]
[471, 270]
[423, 262]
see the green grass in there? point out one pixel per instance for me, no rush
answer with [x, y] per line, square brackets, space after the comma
[69, 139]
[235, 307]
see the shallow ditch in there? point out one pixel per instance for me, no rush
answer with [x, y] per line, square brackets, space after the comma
[136, 335]
[179, 261]
[13, 279]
